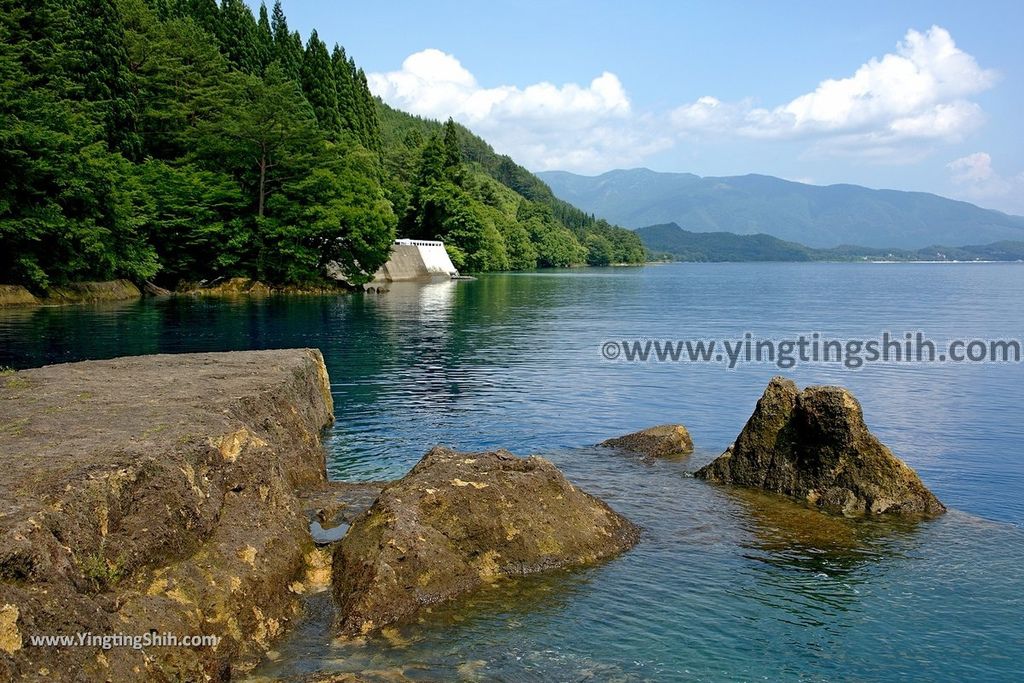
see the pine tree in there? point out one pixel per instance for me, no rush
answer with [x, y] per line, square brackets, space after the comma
[319, 86]
[452, 148]
[238, 35]
[345, 88]
[371, 126]
[265, 132]
[204, 13]
[284, 44]
[264, 40]
[96, 59]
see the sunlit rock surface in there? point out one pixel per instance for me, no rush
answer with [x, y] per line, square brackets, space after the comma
[657, 442]
[156, 493]
[814, 445]
[460, 520]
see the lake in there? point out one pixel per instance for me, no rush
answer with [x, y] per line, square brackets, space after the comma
[725, 585]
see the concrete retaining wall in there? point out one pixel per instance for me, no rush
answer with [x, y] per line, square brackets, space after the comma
[416, 260]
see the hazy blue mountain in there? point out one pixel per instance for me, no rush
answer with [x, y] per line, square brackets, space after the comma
[671, 241]
[809, 214]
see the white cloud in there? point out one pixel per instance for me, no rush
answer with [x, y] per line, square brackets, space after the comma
[543, 126]
[893, 109]
[919, 93]
[975, 179]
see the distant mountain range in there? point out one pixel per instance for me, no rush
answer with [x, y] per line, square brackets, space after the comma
[671, 241]
[817, 216]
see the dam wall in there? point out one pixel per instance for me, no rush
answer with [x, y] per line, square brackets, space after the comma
[416, 260]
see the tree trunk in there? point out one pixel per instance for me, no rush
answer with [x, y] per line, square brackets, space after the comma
[263, 182]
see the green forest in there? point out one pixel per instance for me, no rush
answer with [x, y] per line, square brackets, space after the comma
[181, 141]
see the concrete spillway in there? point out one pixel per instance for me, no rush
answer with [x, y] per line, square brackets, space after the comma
[416, 260]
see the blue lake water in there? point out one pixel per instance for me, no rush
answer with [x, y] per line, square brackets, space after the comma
[725, 585]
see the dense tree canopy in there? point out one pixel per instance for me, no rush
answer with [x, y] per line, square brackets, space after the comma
[186, 140]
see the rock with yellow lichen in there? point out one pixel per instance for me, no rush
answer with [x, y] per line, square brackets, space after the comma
[814, 445]
[158, 493]
[459, 520]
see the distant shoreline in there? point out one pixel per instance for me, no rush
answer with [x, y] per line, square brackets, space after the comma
[672, 242]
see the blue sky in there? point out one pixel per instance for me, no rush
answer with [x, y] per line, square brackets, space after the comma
[923, 95]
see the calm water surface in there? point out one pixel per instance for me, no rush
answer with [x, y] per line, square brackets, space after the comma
[725, 585]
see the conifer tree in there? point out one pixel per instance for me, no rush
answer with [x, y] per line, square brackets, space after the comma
[362, 120]
[204, 13]
[371, 126]
[264, 39]
[284, 44]
[96, 60]
[238, 35]
[345, 87]
[452, 149]
[318, 84]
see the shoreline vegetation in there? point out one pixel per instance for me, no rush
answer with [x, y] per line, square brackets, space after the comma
[172, 141]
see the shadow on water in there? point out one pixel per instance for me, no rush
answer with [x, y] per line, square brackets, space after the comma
[810, 565]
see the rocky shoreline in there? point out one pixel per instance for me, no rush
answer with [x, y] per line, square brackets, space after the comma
[125, 290]
[177, 493]
[75, 293]
[187, 494]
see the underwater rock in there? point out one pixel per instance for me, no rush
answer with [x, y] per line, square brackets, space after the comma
[814, 445]
[459, 520]
[656, 442]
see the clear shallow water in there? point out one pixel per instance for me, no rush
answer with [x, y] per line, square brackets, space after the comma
[724, 585]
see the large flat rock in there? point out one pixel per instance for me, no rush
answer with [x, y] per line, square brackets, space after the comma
[156, 492]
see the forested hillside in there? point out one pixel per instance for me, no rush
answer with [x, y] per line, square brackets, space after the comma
[182, 140]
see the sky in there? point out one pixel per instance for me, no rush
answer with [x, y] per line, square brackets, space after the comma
[911, 95]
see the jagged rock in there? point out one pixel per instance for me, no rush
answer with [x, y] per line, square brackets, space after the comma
[814, 445]
[458, 520]
[655, 441]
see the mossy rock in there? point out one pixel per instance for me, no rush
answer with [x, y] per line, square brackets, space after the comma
[460, 520]
[814, 445]
[656, 442]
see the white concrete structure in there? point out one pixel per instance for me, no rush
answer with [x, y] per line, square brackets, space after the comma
[416, 260]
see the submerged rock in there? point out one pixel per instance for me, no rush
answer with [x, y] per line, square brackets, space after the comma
[657, 441]
[813, 444]
[459, 520]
